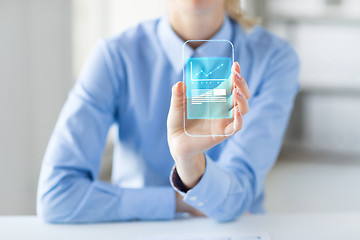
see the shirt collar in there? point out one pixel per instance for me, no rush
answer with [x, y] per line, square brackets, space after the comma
[173, 44]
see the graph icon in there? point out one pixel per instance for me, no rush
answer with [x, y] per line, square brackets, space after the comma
[209, 69]
[207, 75]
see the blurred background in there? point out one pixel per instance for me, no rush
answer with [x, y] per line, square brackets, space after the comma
[43, 45]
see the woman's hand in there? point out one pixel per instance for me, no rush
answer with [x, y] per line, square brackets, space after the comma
[181, 206]
[188, 152]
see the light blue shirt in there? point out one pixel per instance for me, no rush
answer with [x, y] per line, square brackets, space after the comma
[127, 81]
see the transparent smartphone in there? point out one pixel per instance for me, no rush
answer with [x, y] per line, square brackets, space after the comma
[207, 99]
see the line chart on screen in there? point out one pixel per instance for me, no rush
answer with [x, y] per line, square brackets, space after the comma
[205, 74]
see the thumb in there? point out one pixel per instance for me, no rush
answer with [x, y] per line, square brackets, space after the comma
[176, 112]
[177, 96]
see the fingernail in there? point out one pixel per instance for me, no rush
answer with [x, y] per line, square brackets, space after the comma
[237, 67]
[234, 66]
[239, 93]
[238, 111]
[238, 76]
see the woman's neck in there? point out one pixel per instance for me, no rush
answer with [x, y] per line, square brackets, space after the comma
[191, 25]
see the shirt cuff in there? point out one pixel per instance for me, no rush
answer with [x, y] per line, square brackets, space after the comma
[151, 203]
[176, 182]
[209, 192]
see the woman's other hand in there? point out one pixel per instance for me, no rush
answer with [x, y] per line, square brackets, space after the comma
[181, 206]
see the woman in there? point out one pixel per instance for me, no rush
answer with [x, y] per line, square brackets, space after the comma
[133, 80]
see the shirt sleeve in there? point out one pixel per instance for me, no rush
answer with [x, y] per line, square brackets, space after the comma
[233, 180]
[69, 190]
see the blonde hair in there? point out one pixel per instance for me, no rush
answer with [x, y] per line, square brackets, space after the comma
[235, 12]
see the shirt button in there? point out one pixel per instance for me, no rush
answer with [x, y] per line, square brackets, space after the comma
[193, 198]
[200, 204]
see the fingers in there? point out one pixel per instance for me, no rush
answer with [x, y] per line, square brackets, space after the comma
[241, 108]
[197, 213]
[238, 81]
[238, 121]
[240, 101]
[241, 94]
[236, 125]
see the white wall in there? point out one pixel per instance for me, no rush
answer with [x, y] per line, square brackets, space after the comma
[35, 75]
